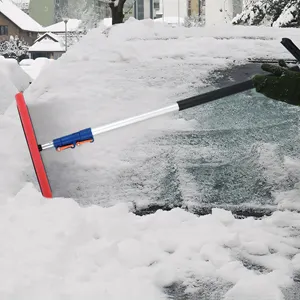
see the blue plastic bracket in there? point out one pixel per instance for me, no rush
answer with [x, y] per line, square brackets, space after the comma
[74, 139]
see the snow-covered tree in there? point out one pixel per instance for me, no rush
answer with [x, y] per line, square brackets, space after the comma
[14, 48]
[82, 10]
[277, 13]
[22, 4]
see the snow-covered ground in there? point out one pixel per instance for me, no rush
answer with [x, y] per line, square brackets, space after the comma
[34, 67]
[57, 249]
[60, 250]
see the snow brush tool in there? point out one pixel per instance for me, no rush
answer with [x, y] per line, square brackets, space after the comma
[87, 135]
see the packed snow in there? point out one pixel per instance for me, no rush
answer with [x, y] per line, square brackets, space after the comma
[7, 91]
[13, 72]
[63, 248]
[58, 249]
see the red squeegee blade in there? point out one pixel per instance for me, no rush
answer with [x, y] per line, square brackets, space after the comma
[33, 146]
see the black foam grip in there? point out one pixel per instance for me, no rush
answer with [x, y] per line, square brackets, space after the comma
[291, 47]
[215, 95]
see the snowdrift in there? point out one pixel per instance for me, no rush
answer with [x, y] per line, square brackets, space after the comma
[34, 67]
[58, 249]
[8, 90]
[10, 68]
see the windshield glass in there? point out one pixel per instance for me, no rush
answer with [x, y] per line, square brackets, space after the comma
[239, 153]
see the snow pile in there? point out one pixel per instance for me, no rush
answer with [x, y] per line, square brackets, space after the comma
[26, 62]
[14, 160]
[11, 69]
[8, 90]
[13, 80]
[58, 249]
[34, 67]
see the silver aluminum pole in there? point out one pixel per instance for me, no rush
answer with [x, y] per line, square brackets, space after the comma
[127, 122]
[137, 119]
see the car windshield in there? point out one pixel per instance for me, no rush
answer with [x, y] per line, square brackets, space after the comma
[237, 154]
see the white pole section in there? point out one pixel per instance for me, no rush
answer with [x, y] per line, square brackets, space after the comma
[137, 119]
[127, 122]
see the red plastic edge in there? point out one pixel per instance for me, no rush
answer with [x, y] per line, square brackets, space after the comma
[33, 146]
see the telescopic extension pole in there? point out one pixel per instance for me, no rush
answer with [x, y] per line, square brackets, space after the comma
[87, 135]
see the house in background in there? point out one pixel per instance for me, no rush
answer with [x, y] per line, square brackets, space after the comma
[48, 45]
[144, 9]
[175, 11]
[194, 7]
[72, 34]
[15, 22]
[53, 40]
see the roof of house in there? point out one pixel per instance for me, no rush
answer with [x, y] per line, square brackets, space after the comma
[50, 36]
[72, 25]
[47, 45]
[18, 17]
